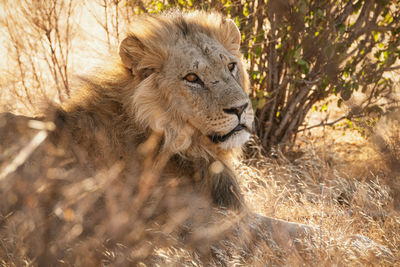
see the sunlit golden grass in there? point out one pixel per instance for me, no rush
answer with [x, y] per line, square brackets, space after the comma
[311, 186]
[345, 186]
[316, 189]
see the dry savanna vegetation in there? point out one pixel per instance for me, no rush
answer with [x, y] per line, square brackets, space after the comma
[339, 173]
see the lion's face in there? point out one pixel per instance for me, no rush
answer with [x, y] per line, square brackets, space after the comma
[206, 81]
[189, 78]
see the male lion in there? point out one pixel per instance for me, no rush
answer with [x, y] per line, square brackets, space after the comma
[173, 107]
[181, 77]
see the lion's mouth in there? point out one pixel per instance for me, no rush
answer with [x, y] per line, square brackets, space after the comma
[215, 138]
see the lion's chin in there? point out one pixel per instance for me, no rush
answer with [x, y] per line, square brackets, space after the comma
[235, 140]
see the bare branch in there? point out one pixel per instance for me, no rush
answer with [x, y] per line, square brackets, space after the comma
[323, 124]
[391, 68]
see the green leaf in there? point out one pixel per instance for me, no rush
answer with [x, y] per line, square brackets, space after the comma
[254, 103]
[258, 51]
[303, 7]
[320, 13]
[385, 55]
[237, 22]
[339, 102]
[341, 28]
[388, 18]
[375, 35]
[355, 86]
[255, 74]
[245, 10]
[349, 124]
[260, 94]
[302, 62]
[305, 66]
[297, 52]
[261, 103]
[160, 6]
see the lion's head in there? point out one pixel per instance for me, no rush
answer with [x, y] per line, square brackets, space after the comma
[188, 79]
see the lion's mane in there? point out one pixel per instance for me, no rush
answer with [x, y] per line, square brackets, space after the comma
[117, 101]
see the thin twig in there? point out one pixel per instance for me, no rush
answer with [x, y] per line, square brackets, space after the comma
[323, 124]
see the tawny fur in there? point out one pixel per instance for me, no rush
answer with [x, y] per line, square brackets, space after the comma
[144, 92]
[139, 110]
[143, 95]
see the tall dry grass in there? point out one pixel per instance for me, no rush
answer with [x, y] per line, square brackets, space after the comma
[53, 210]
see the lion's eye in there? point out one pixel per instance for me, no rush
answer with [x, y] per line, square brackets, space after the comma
[191, 77]
[231, 66]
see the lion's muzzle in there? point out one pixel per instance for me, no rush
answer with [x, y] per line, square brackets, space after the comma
[215, 138]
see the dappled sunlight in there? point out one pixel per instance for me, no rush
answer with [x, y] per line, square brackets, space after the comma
[105, 171]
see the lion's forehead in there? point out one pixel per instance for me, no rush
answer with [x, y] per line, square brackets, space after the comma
[201, 56]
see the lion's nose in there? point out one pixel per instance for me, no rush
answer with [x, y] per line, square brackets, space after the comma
[236, 110]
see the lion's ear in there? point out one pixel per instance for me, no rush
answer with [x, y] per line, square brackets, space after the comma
[231, 36]
[234, 32]
[131, 50]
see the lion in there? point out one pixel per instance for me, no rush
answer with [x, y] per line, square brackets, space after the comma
[177, 94]
[180, 77]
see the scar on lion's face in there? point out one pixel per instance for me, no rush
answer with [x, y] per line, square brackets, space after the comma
[210, 81]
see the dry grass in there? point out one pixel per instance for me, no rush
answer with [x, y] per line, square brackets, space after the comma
[53, 209]
[318, 189]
